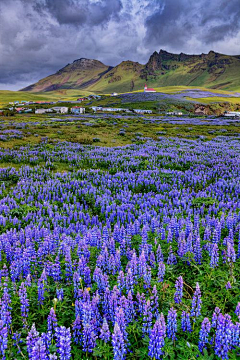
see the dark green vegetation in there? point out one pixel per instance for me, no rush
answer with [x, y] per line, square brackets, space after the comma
[212, 70]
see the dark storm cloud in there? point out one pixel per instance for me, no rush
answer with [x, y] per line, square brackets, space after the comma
[176, 23]
[37, 37]
[75, 12]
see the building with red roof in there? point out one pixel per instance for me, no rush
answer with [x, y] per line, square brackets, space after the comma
[148, 90]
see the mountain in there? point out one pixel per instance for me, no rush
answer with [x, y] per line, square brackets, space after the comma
[78, 75]
[212, 70]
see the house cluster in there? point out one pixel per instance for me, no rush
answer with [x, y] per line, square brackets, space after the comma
[62, 110]
[109, 109]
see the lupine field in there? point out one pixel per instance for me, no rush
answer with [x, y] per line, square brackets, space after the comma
[131, 253]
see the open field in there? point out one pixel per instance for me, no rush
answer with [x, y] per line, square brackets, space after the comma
[108, 130]
[114, 228]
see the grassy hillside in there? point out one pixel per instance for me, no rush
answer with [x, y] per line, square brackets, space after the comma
[212, 71]
[10, 96]
[80, 74]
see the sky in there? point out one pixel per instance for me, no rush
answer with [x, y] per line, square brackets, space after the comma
[38, 37]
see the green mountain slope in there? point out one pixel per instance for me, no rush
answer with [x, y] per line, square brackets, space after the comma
[212, 70]
[80, 74]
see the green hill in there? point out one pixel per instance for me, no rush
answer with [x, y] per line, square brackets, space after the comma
[212, 70]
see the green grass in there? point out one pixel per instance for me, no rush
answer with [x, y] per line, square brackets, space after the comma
[217, 99]
[107, 132]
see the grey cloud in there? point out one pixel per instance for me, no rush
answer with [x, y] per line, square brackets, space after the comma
[178, 22]
[80, 12]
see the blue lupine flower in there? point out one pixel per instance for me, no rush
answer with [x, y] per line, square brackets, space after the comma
[119, 349]
[172, 324]
[204, 334]
[105, 333]
[196, 303]
[186, 322]
[179, 290]
[157, 339]
[214, 256]
[161, 271]
[63, 335]
[147, 318]
[3, 339]
[24, 302]
[223, 337]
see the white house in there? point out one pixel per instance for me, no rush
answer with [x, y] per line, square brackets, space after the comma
[141, 111]
[42, 111]
[232, 114]
[61, 109]
[176, 113]
[78, 110]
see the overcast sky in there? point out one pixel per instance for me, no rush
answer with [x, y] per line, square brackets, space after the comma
[38, 37]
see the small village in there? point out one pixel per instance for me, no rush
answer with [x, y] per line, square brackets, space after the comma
[66, 107]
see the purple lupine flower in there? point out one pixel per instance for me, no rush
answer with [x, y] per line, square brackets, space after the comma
[32, 338]
[171, 257]
[140, 302]
[237, 310]
[17, 340]
[77, 330]
[223, 338]
[76, 284]
[24, 302]
[179, 290]
[5, 310]
[172, 324]
[147, 318]
[161, 271]
[39, 351]
[63, 335]
[154, 302]
[41, 290]
[121, 281]
[88, 333]
[231, 255]
[198, 251]
[129, 310]
[68, 265]
[119, 349]
[147, 278]
[3, 339]
[228, 285]
[129, 281]
[104, 332]
[186, 322]
[204, 333]
[238, 252]
[142, 265]
[214, 256]
[215, 317]
[51, 323]
[159, 254]
[59, 294]
[236, 335]
[120, 319]
[157, 338]
[196, 303]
